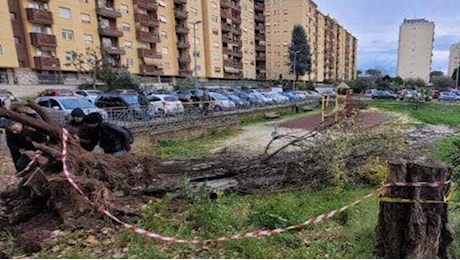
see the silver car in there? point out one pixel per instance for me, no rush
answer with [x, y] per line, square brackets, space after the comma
[60, 107]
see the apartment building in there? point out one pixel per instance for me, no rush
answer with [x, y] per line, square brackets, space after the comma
[166, 39]
[415, 48]
[454, 58]
[332, 48]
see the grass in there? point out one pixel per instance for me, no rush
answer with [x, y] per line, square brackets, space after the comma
[347, 236]
[433, 112]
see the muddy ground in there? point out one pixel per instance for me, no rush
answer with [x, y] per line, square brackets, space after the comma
[43, 231]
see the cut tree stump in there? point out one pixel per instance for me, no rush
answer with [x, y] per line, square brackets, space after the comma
[417, 229]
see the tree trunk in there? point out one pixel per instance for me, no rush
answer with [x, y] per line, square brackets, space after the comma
[416, 229]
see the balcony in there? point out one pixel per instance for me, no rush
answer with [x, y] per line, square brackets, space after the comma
[183, 45]
[146, 20]
[148, 53]
[149, 5]
[259, 7]
[260, 58]
[39, 16]
[260, 66]
[184, 72]
[236, 19]
[110, 32]
[42, 1]
[114, 50]
[226, 39]
[180, 14]
[181, 29]
[108, 12]
[150, 70]
[261, 77]
[233, 75]
[236, 53]
[260, 37]
[47, 63]
[259, 18]
[43, 40]
[183, 59]
[260, 27]
[225, 4]
[236, 7]
[260, 47]
[147, 37]
[236, 31]
[180, 2]
[226, 27]
[225, 15]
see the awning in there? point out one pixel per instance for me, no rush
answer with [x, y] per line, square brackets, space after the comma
[153, 61]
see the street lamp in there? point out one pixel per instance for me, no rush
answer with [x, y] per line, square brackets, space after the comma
[195, 27]
[294, 68]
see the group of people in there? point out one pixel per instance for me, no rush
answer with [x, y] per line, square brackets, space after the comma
[90, 130]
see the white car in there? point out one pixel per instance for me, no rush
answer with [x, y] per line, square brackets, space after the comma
[165, 104]
[60, 107]
[91, 94]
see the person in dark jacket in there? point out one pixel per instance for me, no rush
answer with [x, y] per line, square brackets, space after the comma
[113, 139]
[19, 138]
[76, 121]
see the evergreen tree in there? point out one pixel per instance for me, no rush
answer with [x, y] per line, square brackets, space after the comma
[299, 52]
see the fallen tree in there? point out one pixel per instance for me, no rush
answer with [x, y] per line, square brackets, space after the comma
[317, 159]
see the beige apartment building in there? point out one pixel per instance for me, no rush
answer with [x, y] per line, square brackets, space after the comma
[166, 39]
[333, 49]
[454, 58]
[415, 49]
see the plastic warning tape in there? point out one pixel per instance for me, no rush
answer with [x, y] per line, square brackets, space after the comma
[254, 234]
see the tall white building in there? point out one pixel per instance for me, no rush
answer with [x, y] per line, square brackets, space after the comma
[454, 58]
[415, 49]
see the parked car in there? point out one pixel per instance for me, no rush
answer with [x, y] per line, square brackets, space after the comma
[124, 107]
[60, 107]
[449, 96]
[90, 94]
[239, 102]
[165, 104]
[382, 94]
[56, 92]
[221, 102]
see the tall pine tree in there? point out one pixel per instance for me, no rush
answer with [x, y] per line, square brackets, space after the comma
[299, 53]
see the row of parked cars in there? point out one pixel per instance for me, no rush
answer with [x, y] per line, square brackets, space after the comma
[115, 104]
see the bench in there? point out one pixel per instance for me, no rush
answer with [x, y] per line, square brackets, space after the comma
[271, 115]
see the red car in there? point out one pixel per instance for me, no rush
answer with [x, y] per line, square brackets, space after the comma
[57, 92]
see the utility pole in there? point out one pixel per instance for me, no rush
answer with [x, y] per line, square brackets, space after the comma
[457, 65]
[195, 27]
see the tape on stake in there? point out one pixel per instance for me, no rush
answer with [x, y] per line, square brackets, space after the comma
[254, 234]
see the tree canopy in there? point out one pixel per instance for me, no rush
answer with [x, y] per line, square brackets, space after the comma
[299, 52]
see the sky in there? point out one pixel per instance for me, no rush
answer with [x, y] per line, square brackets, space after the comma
[375, 23]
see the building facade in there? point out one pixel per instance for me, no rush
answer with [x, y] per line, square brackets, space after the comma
[454, 58]
[47, 41]
[332, 48]
[415, 49]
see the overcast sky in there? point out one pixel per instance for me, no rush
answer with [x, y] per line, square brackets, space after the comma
[375, 23]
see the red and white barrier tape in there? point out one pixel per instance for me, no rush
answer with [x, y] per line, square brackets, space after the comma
[254, 234]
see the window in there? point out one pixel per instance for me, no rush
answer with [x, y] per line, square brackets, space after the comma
[64, 12]
[162, 3]
[213, 5]
[193, 11]
[17, 40]
[163, 35]
[124, 9]
[128, 44]
[217, 69]
[67, 34]
[197, 40]
[125, 27]
[216, 57]
[84, 1]
[163, 19]
[69, 57]
[130, 62]
[12, 16]
[215, 44]
[88, 38]
[198, 67]
[214, 18]
[166, 65]
[1, 50]
[165, 50]
[85, 18]
[215, 31]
